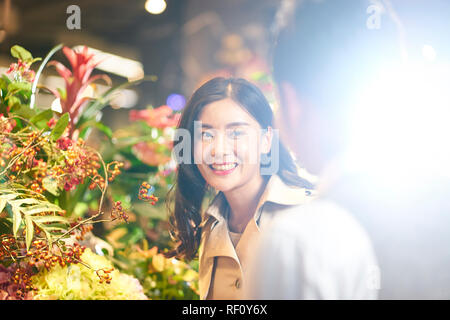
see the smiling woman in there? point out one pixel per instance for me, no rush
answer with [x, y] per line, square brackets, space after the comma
[231, 124]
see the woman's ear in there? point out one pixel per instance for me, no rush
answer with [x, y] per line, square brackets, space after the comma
[266, 140]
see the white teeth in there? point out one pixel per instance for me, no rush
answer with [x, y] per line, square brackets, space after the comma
[224, 167]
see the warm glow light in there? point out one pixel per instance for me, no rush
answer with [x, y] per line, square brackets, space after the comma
[155, 6]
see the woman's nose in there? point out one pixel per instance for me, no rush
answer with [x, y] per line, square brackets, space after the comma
[220, 147]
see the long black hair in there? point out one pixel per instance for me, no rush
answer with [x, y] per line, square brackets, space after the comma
[190, 187]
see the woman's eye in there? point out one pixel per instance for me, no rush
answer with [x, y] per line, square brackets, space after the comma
[236, 133]
[206, 135]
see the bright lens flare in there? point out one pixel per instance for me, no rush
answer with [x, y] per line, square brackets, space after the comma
[155, 6]
[400, 124]
[428, 52]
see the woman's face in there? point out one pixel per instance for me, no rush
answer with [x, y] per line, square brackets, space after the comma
[227, 146]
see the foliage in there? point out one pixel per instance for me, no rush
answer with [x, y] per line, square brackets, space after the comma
[57, 183]
[162, 278]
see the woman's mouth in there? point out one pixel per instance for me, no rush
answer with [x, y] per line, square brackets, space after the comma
[223, 168]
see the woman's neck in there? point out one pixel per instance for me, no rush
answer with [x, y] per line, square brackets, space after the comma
[243, 203]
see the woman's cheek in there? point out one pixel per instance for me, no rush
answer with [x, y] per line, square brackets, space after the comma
[247, 151]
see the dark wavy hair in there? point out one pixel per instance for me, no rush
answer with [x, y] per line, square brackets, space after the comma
[190, 188]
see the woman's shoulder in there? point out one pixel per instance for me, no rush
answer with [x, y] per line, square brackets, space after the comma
[280, 192]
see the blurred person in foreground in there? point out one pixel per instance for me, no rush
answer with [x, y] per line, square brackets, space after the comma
[364, 103]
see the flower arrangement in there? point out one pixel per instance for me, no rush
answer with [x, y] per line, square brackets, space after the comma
[46, 171]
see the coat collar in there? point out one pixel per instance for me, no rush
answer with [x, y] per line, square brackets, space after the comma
[276, 192]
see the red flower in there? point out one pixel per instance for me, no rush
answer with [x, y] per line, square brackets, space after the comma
[161, 117]
[51, 123]
[68, 186]
[64, 143]
[77, 81]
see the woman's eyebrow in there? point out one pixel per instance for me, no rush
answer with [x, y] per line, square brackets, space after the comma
[228, 125]
[237, 124]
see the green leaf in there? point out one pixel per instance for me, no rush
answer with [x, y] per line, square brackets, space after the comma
[36, 59]
[41, 119]
[47, 234]
[4, 83]
[8, 196]
[18, 86]
[5, 226]
[51, 185]
[21, 53]
[105, 129]
[17, 219]
[44, 219]
[24, 111]
[43, 207]
[60, 126]
[13, 101]
[29, 231]
[18, 203]
[2, 204]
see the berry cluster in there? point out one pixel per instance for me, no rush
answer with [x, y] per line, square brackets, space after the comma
[22, 278]
[6, 247]
[104, 275]
[146, 193]
[15, 282]
[118, 212]
[41, 255]
[113, 169]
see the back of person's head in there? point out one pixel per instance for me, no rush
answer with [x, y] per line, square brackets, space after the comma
[329, 47]
[326, 52]
[332, 52]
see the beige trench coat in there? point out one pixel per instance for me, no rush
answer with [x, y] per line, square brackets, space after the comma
[223, 267]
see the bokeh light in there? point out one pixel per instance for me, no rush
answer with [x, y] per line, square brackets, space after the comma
[155, 6]
[176, 101]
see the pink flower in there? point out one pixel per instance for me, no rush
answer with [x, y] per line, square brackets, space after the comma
[77, 81]
[160, 117]
[147, 153]
[22, 70]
